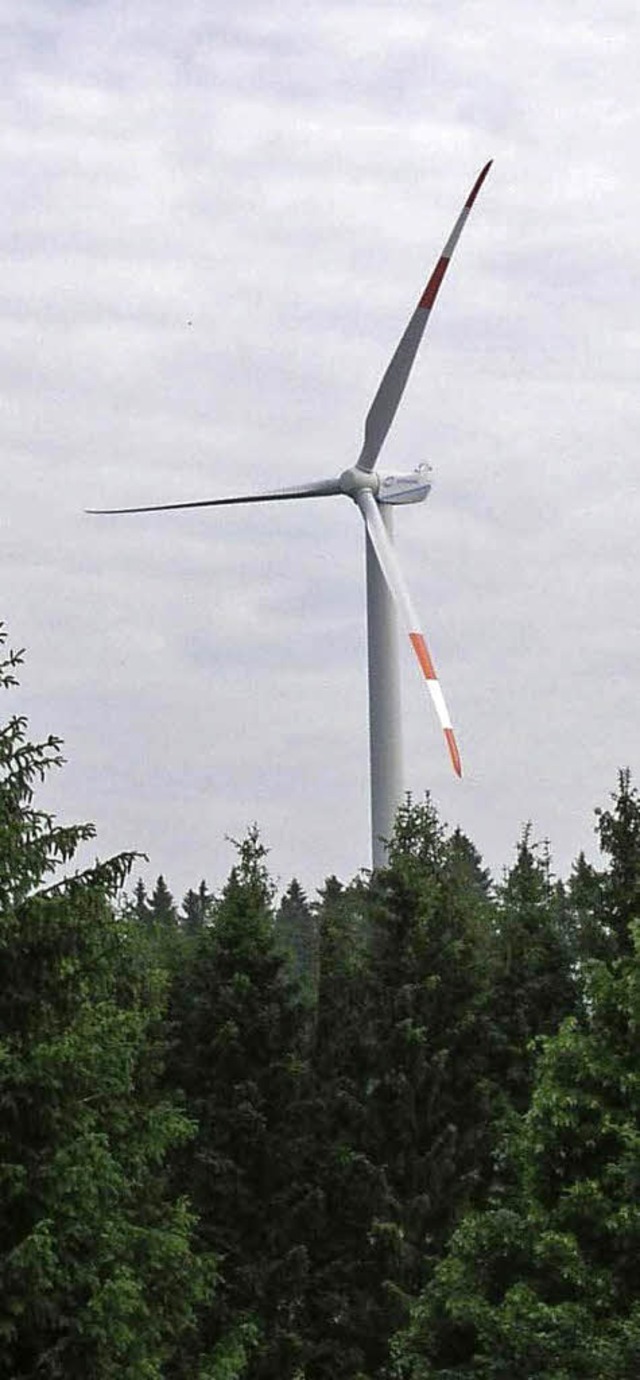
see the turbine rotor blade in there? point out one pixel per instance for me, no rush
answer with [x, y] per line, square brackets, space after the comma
[317, 489]
[390, 568]
[385, 404]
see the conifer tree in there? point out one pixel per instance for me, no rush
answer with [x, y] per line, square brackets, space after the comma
[296, 934]
[345, 1187]
[544, 1282]
[140, 904]
[619, 836]
[534, 981]
[428, 1107]
[97, 1274]
[195, 909]
[239, 1035]
[401, 1061]
[162, 909]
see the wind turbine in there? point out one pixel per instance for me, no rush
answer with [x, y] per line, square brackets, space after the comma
[387, 595]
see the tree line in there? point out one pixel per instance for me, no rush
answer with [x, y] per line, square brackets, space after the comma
[389, 1133]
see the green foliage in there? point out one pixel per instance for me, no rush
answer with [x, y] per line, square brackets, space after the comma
[534, 981]
[97, 1274]
[619, 836]
[196, 910]
[400, 1063]
[296, 934]
[32, 845]
[238, 1056]
[544, 1283]
[249, 1141]
[162, 909]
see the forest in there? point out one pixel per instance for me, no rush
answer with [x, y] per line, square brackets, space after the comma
[389, 1133]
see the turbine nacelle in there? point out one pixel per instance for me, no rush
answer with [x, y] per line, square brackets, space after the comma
[405, 488]
[387, 488]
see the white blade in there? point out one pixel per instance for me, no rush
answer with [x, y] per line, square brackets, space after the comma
[318, 489]
[395, 579]
[385, 404]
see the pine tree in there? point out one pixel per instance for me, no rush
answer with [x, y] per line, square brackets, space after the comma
[429, 1114]
[534, 982]
[401, 1055]
[545, 1283]
[97, 1273]
[296, 934]
[140, 904]
[162, 909]
[619, 836]
[345, 1187]
[239, 1037]
[196, 908]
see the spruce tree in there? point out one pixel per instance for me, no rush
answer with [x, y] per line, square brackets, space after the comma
[619, 836]
[400, 1059]
[140, 904]
[428, 1109]
[544, 1281]
[162, 909]
[346, 1188]
[296, 933]
[97, 1273]
[195, 910]
[239, 1038]
[534, 977]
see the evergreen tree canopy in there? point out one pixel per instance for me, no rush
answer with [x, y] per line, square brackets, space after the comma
[619, 836]
[162, 908]
[196, 908]
[400, 1060]
[544, 1282]
[97, 1275]
[547, 1284]
[534, 980]
[238, 1055]
[296, 933]
[393, 1132]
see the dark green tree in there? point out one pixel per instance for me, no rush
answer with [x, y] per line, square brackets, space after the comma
[546, 1284]
[196, 908]
[140, 904]
[296, 934]
[619, 835]
[534, 979]
[97, 1272]
[344, 1185]
[429, 1109]
[239, 1039]
[400, 1058]
[162, 908]
[543, 1284]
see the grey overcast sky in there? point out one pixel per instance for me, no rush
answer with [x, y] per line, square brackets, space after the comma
[216, 220]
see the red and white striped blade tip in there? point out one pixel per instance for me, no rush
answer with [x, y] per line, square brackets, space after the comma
[433, 286]
[429, 672]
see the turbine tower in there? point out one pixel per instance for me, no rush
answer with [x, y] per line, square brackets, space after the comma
[387, 595]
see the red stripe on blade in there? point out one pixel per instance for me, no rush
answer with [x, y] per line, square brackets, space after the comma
[431, 291]
[453, 751]
[477, 184]
[420, 648]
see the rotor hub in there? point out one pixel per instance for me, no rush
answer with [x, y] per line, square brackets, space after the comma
[354, 480]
